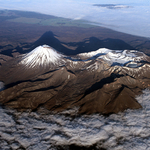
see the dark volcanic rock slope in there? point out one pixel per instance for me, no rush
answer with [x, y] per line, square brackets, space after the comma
[102, 81]
[69, 48]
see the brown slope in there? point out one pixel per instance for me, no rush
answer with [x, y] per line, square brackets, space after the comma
[93, 91]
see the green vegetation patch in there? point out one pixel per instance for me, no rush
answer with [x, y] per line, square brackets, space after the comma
[52, 22]
[40, 19]
[26, 20]
[64, 22]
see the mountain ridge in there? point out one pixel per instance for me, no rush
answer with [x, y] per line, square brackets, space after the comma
[94, 84]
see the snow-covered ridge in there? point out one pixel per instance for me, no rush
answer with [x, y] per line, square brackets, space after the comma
[94, 53]
[47, 56]
[120, 57]
[41, 56]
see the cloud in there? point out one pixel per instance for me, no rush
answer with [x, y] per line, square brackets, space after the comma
[127, 130]
[111, 6]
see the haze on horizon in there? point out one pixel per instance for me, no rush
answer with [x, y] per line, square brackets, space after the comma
[133, 19]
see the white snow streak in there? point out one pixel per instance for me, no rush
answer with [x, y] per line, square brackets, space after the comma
[125, 131]
[1, 86]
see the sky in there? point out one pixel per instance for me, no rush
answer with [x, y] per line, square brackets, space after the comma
[133, 19]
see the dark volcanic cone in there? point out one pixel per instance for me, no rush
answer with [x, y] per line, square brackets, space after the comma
[86, 45]
[102, 81]
[94, 43]
[48, 38]
[71, 48]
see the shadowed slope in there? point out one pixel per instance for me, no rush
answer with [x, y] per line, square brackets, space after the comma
[70, 48]
[87, 45]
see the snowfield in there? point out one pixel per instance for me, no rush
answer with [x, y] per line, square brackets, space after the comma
[119, 57]
[129, 130]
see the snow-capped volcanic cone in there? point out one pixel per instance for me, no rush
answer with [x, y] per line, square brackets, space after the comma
[103, 81]
[38, 61]
[42, 56]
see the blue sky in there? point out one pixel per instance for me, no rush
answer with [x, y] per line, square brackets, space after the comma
[134, 20]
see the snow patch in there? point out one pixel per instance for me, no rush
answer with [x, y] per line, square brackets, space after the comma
[2, 86]
[41, 56]
[69, 76]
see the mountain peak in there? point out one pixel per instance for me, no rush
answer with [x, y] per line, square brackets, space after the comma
[41, 56]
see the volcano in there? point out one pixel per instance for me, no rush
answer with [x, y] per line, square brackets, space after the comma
[103, 81]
